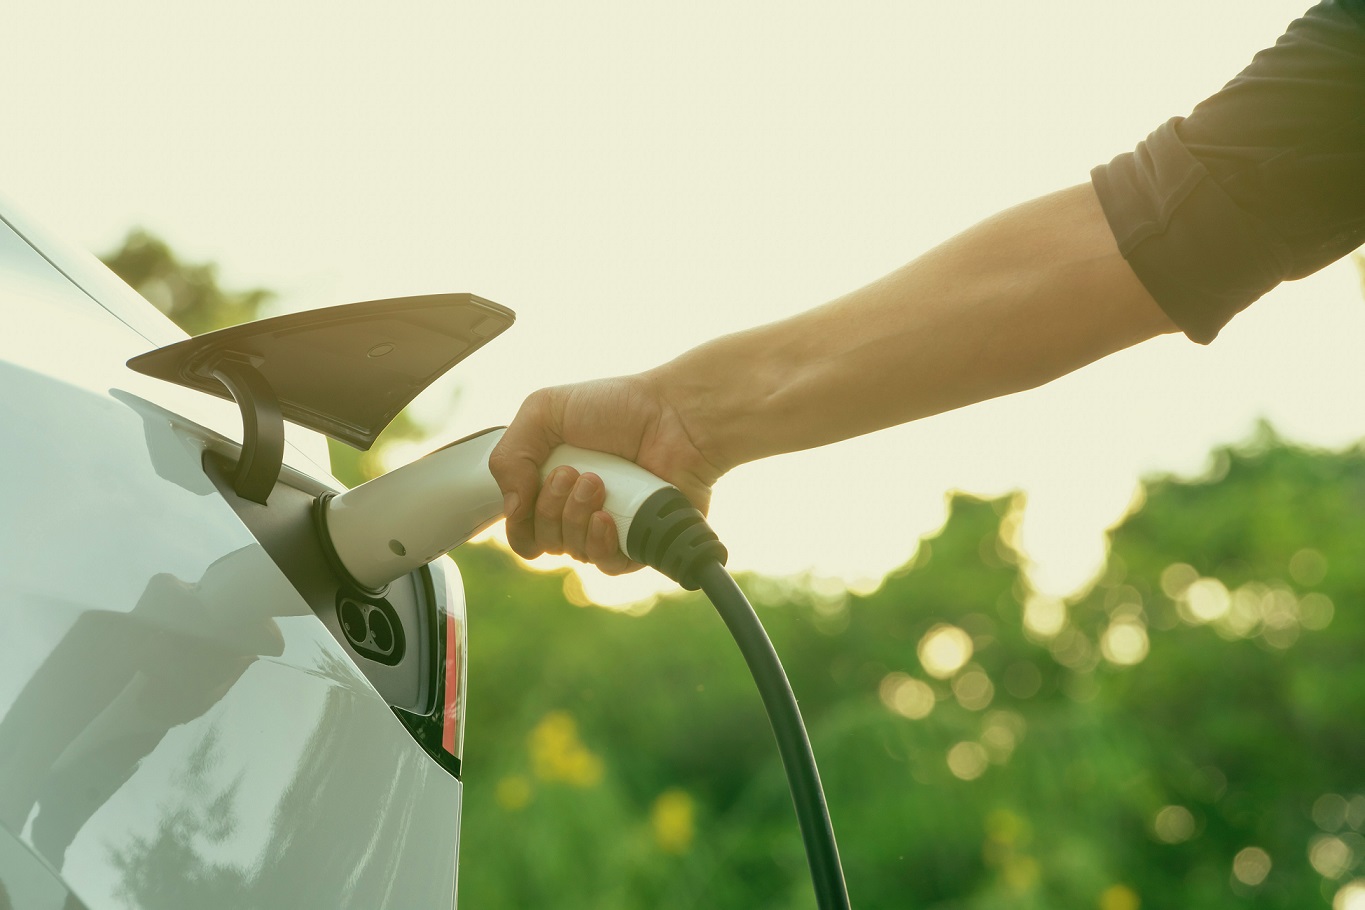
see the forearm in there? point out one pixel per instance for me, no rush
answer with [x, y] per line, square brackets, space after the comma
[1014, 302]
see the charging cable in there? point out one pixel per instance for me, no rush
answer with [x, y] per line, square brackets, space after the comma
[670, 535]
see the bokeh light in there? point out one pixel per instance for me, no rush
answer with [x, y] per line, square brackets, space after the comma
[973, 690]
[1175, 578]
[1355, 811]
[967, 760]
[1330, 856]
[907, 696]
[1001, 733]
[1280, 617]
[1251, 865]
[1329, 811]
[1124, 643]
[1205, 600]
[1174, 824]
[1044, 616]
[1243, 617]
[1315, 611]
[1073, 650]
[944, 650]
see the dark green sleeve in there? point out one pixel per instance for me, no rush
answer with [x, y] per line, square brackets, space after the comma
[1263, 182]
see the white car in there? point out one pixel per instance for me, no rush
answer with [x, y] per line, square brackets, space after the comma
[194, 712]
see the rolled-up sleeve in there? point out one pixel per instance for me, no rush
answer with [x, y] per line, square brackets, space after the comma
[1263, 182]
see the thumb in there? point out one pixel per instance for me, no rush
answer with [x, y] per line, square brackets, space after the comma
[515, 464]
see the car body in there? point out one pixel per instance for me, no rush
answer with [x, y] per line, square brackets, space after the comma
[179, 727]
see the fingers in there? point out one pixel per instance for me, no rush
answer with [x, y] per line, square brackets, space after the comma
[515, 465]
[604, 547]
[564, 514]
[568, 518]
[521, 525]
[587, 497]
[548, 518]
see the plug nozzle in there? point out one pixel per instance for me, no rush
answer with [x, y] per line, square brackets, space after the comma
[402, 520]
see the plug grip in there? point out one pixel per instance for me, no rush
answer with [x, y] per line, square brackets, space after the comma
[389, 526]
[628, 485]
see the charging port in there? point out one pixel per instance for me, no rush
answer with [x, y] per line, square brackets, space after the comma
[391, 635]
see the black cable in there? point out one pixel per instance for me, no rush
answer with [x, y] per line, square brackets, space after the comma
[812, 814]
[669, 534]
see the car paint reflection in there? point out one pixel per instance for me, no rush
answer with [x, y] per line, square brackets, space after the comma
[176, 726]
[122, 680]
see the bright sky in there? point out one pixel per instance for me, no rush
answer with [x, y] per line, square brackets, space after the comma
[635, 178]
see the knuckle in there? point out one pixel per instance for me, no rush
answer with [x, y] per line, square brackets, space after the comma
[499, 462]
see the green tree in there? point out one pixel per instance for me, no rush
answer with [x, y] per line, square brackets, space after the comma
[189, 293]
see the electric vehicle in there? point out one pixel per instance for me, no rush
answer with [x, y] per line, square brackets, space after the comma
[228, 682]
[193, 712]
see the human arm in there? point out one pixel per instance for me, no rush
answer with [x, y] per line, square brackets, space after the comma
[1014, 302]
[1263, 182]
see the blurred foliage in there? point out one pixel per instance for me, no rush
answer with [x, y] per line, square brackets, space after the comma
[1185, 733]
[188, 293]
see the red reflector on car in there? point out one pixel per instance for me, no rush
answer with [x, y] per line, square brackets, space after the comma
[452, 694]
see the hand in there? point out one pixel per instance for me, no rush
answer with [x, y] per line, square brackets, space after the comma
[629, 416]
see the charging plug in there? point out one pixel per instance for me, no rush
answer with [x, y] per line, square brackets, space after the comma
[389, 526]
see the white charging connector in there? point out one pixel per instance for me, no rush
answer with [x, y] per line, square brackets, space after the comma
[402, 520]
[389, 526]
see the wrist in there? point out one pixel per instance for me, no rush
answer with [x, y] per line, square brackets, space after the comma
[721, 392]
